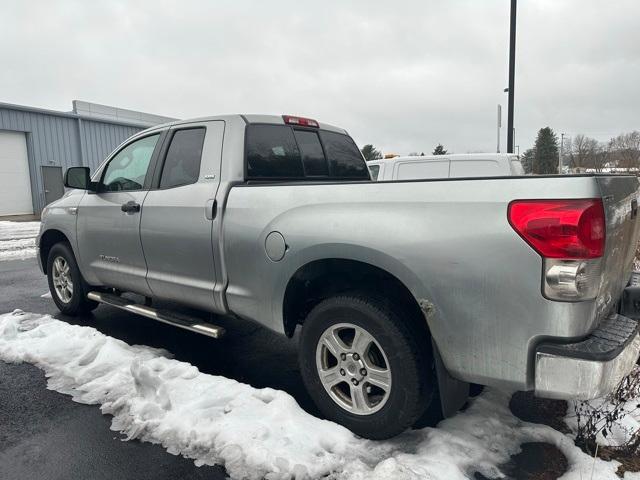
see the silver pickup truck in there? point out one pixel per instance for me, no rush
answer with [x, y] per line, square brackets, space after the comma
[404, 292]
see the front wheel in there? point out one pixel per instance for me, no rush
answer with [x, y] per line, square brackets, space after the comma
[68, 288]
[364, 367]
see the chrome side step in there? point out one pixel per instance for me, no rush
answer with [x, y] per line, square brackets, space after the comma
[165, 316]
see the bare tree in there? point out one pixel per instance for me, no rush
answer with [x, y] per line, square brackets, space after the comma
[602, 157]
[626, 150]
[585, 152]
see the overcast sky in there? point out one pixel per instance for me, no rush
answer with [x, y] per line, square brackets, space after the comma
[403, 75]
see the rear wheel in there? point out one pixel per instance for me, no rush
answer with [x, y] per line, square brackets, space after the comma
[364, 366]
[68, 288]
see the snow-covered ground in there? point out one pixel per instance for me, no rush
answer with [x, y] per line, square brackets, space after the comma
[263, 433]
[18, 240]
[623, 429]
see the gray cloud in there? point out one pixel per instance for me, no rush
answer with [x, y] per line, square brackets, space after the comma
[401, 75]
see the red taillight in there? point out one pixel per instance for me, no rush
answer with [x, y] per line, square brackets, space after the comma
[567, 229]
[303, 122]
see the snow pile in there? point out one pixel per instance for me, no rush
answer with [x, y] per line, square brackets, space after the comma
[262, 433]
[18, 239]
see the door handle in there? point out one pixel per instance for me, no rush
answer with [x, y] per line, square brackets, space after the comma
[130, 207]
[210, 209]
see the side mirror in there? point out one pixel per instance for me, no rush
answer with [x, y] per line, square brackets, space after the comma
[78, 177]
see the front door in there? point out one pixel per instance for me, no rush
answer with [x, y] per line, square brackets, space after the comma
[53, 184]
[109, 220]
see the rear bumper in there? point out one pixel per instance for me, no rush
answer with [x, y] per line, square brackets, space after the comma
[592, 367]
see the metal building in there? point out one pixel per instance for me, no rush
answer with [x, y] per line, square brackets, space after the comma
[38, 145]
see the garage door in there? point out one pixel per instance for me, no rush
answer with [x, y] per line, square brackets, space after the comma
[15, 185]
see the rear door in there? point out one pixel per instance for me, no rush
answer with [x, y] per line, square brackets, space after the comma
[109, 220]
[179, 215]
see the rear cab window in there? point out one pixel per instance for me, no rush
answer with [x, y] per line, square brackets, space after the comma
[285, 152]
[345, 160]
[272, 152]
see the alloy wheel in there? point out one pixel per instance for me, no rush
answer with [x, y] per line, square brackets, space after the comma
[353, 369]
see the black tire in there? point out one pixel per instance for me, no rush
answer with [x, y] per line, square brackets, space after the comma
[408, 354]
[78, 303]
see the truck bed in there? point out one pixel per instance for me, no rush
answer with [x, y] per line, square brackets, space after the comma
[447, 240]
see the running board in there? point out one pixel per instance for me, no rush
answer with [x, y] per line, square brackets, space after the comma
[179, 320]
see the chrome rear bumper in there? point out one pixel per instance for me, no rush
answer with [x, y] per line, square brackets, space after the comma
[591, 368]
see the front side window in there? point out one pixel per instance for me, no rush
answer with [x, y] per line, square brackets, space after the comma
[182, 162]
[272, 152]
[128, 169]
[345, 160]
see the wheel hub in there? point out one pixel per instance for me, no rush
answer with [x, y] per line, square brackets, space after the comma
[353, 369]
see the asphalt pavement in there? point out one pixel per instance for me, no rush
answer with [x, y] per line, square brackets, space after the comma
[44, 434]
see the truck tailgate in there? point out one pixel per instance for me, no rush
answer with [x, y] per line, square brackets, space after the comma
[620, 200]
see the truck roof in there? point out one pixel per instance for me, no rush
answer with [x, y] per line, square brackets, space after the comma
[248, 119]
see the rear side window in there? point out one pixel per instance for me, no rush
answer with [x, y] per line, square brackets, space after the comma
[272, 152]
[182, 163]
[345, 160]
[312, 154]
[375, 171]
[476, 168]
[426, 169]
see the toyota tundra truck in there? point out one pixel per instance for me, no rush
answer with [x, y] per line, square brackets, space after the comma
[404, 293]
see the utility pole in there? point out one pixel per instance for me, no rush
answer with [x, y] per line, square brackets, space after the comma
[561, 152]
[499, 125]
[512, 75]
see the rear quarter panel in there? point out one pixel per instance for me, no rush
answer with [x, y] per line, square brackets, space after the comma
[448, 241]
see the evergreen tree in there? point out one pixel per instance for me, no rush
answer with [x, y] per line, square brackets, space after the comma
[369, 152]
[527, 160]
[546, 152]
[439, 150]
